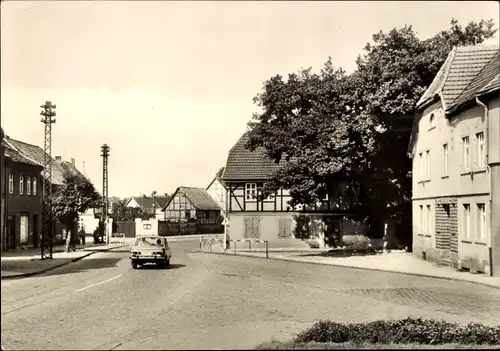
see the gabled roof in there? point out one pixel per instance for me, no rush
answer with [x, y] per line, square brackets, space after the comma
[69, 168]
[243, 164]
[466, 71]
[198, 197]
[144, 202]
[15, 156]
[36, 154]
[213, 180]
[162, 200]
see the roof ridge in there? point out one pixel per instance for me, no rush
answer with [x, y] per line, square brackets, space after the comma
[472, 80]
[446, 74]
[22, 142]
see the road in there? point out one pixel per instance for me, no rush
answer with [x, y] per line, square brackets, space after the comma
[207, 301]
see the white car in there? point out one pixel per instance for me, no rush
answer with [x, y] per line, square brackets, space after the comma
[150, 249]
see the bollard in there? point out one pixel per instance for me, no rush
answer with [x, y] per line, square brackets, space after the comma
[249, 246]
[200, 243]
[210, 244]
[235, 247]
[267, 249]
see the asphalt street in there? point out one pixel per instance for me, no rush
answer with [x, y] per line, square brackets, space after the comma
[208, 301]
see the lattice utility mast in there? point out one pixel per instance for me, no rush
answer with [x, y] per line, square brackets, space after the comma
[48, 112]
[105, 154]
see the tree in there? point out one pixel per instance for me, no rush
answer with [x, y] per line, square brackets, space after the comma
[331, 128]
[76, 195]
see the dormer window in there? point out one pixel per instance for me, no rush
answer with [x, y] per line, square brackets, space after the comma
[432, 121]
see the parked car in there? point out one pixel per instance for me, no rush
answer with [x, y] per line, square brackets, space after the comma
[150, 249]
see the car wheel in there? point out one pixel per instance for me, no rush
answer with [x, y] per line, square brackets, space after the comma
[134, 265]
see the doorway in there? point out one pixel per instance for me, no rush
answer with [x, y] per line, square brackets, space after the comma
[11, 233]
[24, 228]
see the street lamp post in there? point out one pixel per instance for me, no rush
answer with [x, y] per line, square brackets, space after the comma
[105, 154]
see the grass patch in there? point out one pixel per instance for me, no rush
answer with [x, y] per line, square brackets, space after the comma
[404, 333]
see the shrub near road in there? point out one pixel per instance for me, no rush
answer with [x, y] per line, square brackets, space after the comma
[410, 331]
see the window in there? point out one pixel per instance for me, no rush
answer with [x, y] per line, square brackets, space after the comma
[21, 185]
[466, 223]
[11, 183]
[481, 159]
[28, 186]
[429, 220]
[481, 217]
[34, 186]
[432, 121]
[466, 152]
[422, 219]
[445, 159]
[250, 191]
[428, 164]
[146, 226]
[422, 166]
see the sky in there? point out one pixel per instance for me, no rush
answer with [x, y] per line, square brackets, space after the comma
[168, 85]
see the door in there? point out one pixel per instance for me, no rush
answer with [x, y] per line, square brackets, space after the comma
[447, 234]
[36, 230]
[11, 232]
[24, 227]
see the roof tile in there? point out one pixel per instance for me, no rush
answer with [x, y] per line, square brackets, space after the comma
[244, 164]
[199, 197]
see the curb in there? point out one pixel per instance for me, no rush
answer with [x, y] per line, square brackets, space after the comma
[76, 259]
[361, 268]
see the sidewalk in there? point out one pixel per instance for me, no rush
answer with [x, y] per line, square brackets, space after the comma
[397, 262]
[16, 264]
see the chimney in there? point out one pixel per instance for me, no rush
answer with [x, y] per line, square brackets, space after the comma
[58, 159]
[72, 161]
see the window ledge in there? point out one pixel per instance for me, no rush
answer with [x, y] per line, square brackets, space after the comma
[424, 181]
[464, 173]
[428, 235]
[480, 170]
[466, 241]
[445, 177]
[480, 243]
[431, 128]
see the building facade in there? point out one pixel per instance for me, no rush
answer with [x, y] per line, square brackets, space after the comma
[217, 190]
[23, 199]
[192, 210]
[272, 218]
[456, 156]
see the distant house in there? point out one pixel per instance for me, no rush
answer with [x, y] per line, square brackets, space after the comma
[218, 191]
[455, 146]
[194, 208]
[149, 204]
[244, 175]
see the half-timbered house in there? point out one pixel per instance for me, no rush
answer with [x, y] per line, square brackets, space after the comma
[192, 210]
[218, 191]
[272, 218]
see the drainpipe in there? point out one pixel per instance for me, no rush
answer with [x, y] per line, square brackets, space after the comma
[487, 119]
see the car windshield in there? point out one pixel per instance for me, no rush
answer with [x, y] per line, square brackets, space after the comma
[149, 242]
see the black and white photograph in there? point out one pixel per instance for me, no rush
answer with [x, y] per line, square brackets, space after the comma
[266, 175]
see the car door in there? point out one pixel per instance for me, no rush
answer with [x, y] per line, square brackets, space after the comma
[167, 248]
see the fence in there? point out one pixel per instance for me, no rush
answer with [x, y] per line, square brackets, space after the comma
[204, 239]
[117, 238]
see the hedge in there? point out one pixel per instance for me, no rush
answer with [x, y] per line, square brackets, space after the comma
[405, 331]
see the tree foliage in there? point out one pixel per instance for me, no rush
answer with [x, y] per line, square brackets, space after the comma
[332, 128]
[76, 195]
[121, 213]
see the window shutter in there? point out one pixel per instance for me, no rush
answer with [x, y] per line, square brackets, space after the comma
[248, 227]
[281, 232]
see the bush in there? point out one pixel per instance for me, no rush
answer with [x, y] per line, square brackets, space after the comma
[313, 243]
[356, 242]
[405, 331]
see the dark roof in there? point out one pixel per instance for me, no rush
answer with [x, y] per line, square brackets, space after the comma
[198, 197]
[466, 71]
[145, 202]
[162, 200]
[15, 156]
[36, 154]
[243, 164]
[493, 85]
